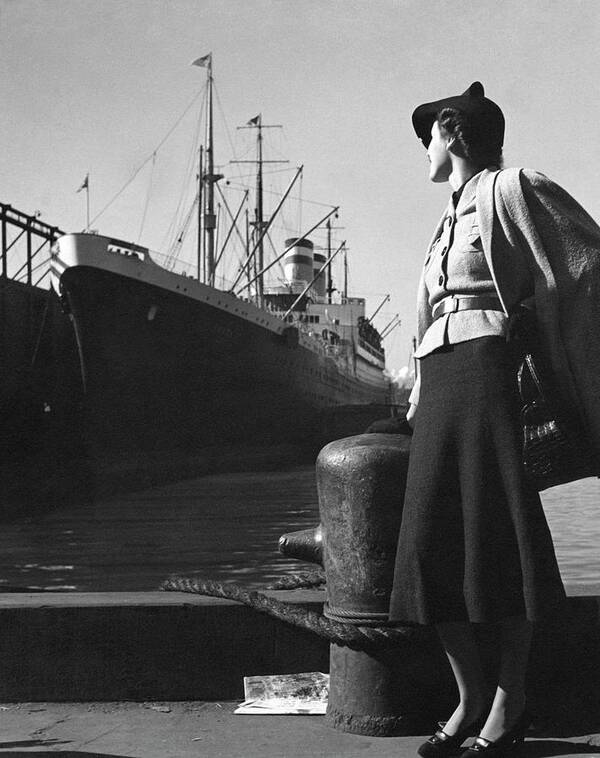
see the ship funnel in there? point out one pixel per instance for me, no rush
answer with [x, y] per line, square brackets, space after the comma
[298, 262]
[320, 285]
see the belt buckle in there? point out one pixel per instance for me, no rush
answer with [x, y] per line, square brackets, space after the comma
[455, 305]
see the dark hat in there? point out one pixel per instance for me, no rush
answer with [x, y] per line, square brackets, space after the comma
[485, 115]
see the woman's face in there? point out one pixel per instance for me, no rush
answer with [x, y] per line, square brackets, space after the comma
[438, 153]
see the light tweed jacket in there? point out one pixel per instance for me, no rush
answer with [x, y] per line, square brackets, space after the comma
[523, 215]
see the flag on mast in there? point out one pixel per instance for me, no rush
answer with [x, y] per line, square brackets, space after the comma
[85, 184]
[204, 61]
[253, 121]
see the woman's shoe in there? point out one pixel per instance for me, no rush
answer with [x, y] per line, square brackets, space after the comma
[441, 745]
[501, 747]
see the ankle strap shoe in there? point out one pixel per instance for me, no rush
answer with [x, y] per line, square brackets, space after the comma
[503, 746]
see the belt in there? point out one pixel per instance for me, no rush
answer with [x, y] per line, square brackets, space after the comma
[453, 304]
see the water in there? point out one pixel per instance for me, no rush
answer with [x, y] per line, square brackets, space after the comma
[573, 513]
[226, 527]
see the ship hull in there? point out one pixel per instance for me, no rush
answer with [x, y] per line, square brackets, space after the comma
[42, 458]
[167, 376]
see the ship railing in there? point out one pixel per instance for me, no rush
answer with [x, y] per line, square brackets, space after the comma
[310, 331]
[314, 332]
[189, 270]
[371, 350]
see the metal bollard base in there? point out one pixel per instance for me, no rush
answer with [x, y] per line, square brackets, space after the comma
[370, 726]
[386, 693]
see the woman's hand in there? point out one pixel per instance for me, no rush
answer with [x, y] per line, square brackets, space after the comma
[522, 327]
[410, 415]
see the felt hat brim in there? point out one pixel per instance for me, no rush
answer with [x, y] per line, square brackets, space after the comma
[486, 114]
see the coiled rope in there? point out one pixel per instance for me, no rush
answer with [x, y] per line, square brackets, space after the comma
[345, 635]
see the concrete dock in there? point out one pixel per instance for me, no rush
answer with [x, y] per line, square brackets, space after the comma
[132, 675]
[210, 730]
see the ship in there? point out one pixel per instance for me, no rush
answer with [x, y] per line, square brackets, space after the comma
[176, 371]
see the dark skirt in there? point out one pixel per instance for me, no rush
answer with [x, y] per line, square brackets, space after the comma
[474, 544]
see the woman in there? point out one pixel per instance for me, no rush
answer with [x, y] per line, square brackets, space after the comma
[474, 545]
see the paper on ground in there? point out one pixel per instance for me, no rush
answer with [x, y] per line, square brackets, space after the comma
[285, 694]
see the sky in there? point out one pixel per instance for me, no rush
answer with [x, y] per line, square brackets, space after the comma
[90, 86]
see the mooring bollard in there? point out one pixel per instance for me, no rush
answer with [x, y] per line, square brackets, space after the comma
[361, 482]
[307, 545]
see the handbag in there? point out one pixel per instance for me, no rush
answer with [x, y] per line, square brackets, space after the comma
[556, 448]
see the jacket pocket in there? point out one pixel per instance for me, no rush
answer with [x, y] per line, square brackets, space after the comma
[432, 252]
[473, 243]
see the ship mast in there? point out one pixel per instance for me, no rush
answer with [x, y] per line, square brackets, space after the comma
[207, 220]
[329, 279]
[345, 300]
[259, 223]
[199, 241]
[329, 288]
[209, 179]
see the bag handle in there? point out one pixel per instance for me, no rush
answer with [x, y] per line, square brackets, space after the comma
[535, 378]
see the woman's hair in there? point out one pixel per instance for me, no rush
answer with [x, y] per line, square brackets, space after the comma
[474, 136]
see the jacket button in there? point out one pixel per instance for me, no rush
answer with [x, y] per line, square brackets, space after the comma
[444, 250]
[441, 280]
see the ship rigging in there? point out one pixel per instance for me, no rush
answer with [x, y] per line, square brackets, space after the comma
[174, 366]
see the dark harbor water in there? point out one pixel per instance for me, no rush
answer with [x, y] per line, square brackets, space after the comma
[225, 527]
[222, 526]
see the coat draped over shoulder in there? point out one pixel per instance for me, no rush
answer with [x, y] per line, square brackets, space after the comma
[538, 240]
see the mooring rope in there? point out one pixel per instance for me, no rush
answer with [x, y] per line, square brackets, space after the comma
[302, 579]
[345, 635]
